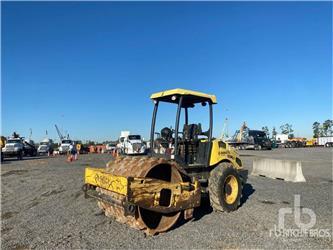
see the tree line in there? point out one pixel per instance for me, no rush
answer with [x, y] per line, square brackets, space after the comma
[286, 129]
[324, 129]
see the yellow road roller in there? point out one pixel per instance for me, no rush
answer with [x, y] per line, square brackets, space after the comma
[184, 163]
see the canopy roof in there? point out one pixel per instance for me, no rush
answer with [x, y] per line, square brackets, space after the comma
[191, 97]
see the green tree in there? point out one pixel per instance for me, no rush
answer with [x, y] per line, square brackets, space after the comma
[266, 130]
[327, 127]
[287, 130]
[89, 143]
[316, 129]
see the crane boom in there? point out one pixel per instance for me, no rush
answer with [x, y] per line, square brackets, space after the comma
[58, 131]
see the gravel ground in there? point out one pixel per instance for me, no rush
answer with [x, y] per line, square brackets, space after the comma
[42, 206]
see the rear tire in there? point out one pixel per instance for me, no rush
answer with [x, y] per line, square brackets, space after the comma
[225, 188]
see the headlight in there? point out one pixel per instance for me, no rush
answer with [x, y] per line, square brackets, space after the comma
[16, 149]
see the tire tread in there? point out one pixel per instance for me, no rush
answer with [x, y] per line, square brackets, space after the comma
[214, 186]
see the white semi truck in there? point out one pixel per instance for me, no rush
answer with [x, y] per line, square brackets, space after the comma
[45, 147]
[14, 147]
[64, 146]
[19, 147]
[65, 142]
[131, 144]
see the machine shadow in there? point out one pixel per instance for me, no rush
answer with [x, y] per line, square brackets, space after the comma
[247, 192]
[203, 210]
[206, 209]
[198, 213]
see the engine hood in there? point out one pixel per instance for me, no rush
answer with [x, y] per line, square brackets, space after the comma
[43, 147]
[13, 145]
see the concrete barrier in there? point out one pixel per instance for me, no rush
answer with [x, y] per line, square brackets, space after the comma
[278, 169]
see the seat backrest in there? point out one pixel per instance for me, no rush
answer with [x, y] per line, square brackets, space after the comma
[191, 131]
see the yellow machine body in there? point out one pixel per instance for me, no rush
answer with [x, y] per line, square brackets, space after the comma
[151, 192]
[222, 152]
[146, 192]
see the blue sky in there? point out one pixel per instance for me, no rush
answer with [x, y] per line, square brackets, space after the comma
[90, 67]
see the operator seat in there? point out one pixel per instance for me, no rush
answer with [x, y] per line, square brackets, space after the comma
[191, 132]
[191, 141]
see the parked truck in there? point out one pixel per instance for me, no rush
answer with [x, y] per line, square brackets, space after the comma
[120, 143]
[14, 148]
[110, 147]
[326, 141]
[45, 147]
[29, 148]
[65, 142]
[246, 138]
[64, 146]
[313, 142]
[283, 141]
[131, 144]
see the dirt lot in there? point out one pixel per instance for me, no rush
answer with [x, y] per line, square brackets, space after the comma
[43, 207]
